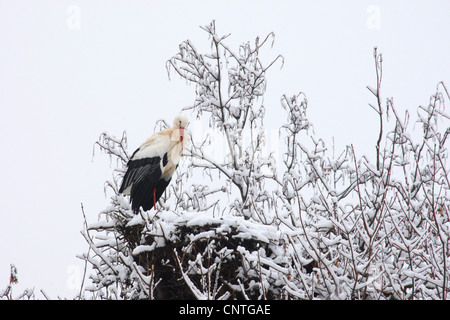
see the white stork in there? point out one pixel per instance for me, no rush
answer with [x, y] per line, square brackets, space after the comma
[152, 165]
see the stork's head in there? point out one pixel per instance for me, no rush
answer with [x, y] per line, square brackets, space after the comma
[181, 122]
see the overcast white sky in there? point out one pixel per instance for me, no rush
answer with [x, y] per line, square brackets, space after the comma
[70, 70]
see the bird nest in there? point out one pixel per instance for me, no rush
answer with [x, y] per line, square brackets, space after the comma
[196, 256]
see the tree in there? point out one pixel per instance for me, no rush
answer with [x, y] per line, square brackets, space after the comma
[312, 227]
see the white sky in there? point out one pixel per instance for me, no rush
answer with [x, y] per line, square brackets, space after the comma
[61, 86]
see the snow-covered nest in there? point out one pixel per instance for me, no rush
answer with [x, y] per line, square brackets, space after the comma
[181, 255]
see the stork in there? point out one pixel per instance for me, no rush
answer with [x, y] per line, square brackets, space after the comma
[152, 165]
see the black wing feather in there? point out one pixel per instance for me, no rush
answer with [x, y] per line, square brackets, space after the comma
[137, 169]
[144, 177]
[141, 194]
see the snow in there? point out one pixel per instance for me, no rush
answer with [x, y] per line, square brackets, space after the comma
[315, 227]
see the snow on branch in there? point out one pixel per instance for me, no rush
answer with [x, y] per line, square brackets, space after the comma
[315, 226]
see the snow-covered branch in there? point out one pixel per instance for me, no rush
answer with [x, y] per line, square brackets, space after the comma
[315, 226]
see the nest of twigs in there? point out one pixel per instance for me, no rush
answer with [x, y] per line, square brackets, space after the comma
[217, 257]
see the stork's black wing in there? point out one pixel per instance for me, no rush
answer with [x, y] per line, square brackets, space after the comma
[137, 170]
[143, 178]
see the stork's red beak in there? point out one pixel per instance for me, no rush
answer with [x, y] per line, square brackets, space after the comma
[181, 134]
